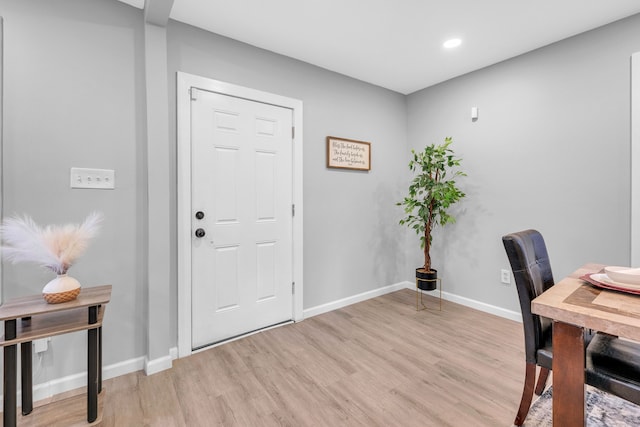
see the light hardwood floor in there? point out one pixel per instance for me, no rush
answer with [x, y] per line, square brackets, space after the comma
[375, 363]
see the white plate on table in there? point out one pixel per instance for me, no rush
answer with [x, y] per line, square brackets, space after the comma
[603, 278]
[626, 275]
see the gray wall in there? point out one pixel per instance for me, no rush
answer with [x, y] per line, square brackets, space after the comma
[351, 240]
[550, 151]
[74, 96]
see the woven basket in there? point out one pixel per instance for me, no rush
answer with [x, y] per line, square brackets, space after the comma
[61, 289]
[59, 297]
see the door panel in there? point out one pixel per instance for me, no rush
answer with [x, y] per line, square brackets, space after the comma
[242, 181]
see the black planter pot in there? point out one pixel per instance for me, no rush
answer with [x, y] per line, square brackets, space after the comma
[426, 281]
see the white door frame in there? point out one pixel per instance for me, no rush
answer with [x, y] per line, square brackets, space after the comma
[635, 160]
[184, 83]
[1, 133]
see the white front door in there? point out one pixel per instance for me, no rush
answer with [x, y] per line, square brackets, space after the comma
[241, 199]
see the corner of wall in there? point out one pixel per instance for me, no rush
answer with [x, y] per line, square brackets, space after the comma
[161, 363]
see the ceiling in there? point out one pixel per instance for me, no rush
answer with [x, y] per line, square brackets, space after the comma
[398, 44]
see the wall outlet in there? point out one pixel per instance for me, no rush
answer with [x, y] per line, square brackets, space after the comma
[41, 345]
[505, 276]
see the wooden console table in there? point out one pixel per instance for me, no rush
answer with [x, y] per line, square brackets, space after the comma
[31, 318]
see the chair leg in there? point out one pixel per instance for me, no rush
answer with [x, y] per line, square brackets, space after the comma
[542, 380]
[527, 393]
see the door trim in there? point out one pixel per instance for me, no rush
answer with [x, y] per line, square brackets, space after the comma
[1, 133]
[635, 160]
[185, 82]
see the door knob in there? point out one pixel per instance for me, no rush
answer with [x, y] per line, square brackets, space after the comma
[200, 233]
[199, 215]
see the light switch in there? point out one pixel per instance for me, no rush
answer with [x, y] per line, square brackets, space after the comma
[100, 179]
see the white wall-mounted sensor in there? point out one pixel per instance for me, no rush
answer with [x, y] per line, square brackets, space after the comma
[474, 113]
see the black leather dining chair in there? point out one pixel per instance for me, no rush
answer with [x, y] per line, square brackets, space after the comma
[612, 364]
[531, 269]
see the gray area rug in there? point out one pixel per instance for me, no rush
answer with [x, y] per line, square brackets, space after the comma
[603, 409]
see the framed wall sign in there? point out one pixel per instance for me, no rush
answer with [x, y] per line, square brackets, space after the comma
[348, 154]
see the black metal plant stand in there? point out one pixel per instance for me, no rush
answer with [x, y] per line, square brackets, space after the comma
[420, 305]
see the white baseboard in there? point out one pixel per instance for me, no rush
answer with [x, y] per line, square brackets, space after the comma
[160, 364]
[334, 305]
[478, 305]
[123, 368]
[487, 308]
[71, 382]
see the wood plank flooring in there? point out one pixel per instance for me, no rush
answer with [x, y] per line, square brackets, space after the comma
[375, 363]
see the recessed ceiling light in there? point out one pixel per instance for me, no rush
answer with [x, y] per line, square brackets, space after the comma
[449, 44]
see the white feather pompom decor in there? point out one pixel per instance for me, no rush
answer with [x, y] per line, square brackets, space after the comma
[53, 247]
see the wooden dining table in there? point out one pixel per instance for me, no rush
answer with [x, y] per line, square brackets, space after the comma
[574, 305]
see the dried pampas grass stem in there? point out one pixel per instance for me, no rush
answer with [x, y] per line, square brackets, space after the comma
[53, 247]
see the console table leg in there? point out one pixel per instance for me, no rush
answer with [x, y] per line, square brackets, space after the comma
[92, 367]
[10, 378]
[99, 360]
[26, 371]
[26, 377]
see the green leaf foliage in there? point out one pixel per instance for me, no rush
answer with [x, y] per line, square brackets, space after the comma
[432, 192]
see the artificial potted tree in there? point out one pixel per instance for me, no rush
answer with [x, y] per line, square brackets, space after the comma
[431, 194]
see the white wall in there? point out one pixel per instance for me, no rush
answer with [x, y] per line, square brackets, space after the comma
[550, 150]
